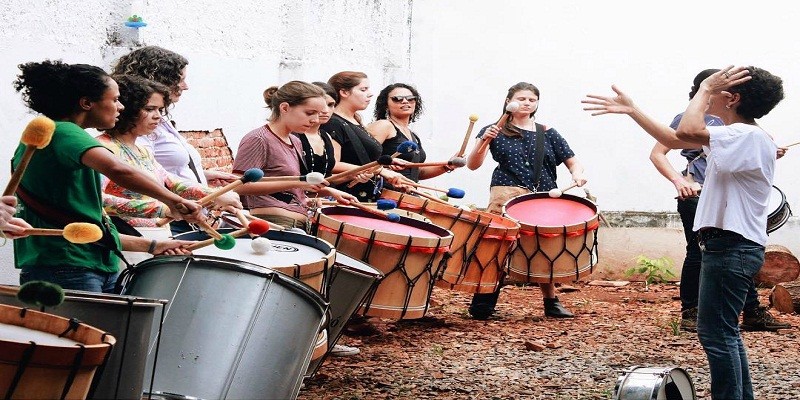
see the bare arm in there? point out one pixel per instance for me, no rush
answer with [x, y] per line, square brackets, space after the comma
[478, 153]
[658, 156]
[576, 169]
[381, 130]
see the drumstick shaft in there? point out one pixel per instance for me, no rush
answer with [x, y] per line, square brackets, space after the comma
[793, 144]
[209, 230]
[429, 197]
[500, 124]
[16, 177]
[301, 178]
[354, 182]
[370, 210]
[428, 187]
[243, 220]
[427, 164]
[43, 232]
[208, 242]
[340, 177]
[568, 187]
[272, 225]
[466, 138]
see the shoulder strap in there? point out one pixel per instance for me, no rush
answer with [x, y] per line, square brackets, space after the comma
[538, 155]
[355, 141]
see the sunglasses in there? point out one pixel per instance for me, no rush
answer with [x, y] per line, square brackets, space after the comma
[399, 99]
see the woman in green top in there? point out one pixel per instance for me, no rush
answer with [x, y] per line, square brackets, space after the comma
[62, 181]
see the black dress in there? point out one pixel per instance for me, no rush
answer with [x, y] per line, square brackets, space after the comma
[390, 147]
[322, 163]
[358, 148]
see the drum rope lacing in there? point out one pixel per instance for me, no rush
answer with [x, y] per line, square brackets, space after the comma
[539, 252]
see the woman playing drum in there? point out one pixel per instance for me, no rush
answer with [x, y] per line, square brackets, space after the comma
[513, 147]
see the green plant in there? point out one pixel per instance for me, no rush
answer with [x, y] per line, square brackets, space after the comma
[675, 326]
[655, 270]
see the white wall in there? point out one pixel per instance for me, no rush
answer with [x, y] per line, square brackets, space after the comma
[461, 54]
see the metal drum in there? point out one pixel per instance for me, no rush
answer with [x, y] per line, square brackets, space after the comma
[232, 329]
[654, 383]
[409, 253]
[44, 356]
[349, 282]
[130, 319]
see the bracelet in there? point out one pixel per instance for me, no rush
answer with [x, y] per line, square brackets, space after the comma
[152, 247]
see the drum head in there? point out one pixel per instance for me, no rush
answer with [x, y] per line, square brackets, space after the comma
[539, 209]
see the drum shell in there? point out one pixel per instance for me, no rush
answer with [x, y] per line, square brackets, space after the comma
[349, 282]
[779, 212]
[469, 268]
[49, 366]
[649, 383]
[400, 294]
[232, 329]
[548, 254]
[130, 319]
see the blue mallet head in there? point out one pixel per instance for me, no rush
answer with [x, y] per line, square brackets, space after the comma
[393, 217]
[407, 147]
[386, 204]
[252, 175]
[455, 193]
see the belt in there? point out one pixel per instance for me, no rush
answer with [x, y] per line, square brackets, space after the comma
[706, 234]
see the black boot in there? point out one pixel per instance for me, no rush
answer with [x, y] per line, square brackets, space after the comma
[554, 308]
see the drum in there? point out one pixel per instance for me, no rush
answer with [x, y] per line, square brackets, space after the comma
[779, 211]
[477, 261]
[129, 319]
[232, 329]
[348, 283]
[409, 254]
[44, 356]
[642, 383]
[557, 242]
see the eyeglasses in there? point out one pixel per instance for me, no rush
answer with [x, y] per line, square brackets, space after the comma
[399, 99]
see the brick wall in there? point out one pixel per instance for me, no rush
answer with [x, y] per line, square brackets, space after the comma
[213, 148]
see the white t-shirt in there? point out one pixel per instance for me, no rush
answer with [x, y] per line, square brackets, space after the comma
[736, 192]
[173, 152]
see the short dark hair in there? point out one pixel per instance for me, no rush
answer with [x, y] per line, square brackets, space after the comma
[759, 95]
[699, 78]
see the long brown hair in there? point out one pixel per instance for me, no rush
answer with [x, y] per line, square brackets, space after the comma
[293, 93]
[346, 80]
[509, 129]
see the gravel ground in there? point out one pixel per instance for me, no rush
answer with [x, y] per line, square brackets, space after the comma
[523, 355]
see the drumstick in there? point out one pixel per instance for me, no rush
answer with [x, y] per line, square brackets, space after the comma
[314, 178]
[555, 193]
[76, 232]
[472, 119]
[453, 162]
[511, 107]
[254, 227]
[271, 225]
[37, 293]
[427, 196]
[388, 216]
[36, 135]
[355, 182]
[793, 144]
[403, 148]
[251, 175]
[455, 193]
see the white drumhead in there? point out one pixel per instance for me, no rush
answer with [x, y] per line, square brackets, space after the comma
[281, 254]
[775, 200]
[352, 263]
[22, 334]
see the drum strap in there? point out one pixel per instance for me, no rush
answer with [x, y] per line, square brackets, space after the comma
[538, 154]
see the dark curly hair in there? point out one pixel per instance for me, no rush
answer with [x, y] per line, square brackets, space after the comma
[699, 78]
[134, 92]
[382, 103]
[54, 88]
[154, 63]
[759, 95]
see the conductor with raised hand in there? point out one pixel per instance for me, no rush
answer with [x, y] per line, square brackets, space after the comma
[62, 181]
[731, 218]
[513, 144]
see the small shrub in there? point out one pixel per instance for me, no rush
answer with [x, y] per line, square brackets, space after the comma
[654, 270]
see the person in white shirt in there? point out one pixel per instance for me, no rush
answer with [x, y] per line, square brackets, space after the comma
[731, 216]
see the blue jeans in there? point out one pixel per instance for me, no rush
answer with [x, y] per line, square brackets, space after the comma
[73, 278]
[729, 264]
[690, 272]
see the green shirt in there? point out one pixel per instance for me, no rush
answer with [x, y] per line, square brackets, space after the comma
[56, 177]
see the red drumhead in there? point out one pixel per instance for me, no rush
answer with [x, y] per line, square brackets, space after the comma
[549, 211]
[382, 225]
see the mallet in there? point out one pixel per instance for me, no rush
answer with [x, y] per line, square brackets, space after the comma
[36, 135]
[36, 293]
[388, 216]
[453, 162]
[454, 193]
[228, 241]
[472, 119]
[314, 178]
[251, 175]
[76, 232]
[403, 148]
[511, 107]
[427, 196]
[555, 193]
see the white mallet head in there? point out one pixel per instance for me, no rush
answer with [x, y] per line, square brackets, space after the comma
[260, 245]
[512, 106]
[314, 178]
[554, 193]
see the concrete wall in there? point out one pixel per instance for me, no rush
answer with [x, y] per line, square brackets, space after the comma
[461, 54]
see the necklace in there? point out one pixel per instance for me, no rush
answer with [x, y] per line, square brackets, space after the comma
[314, 155]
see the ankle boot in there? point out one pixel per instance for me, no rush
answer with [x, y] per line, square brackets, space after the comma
[554, 308]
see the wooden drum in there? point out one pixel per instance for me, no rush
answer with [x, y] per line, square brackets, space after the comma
[557, 242]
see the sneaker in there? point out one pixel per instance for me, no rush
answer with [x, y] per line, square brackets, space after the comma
[761, 320]
[340, 350]
[689, 320]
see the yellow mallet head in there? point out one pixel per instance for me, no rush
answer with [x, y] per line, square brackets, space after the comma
[38, 132]
[82, 232]
[473, 117]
